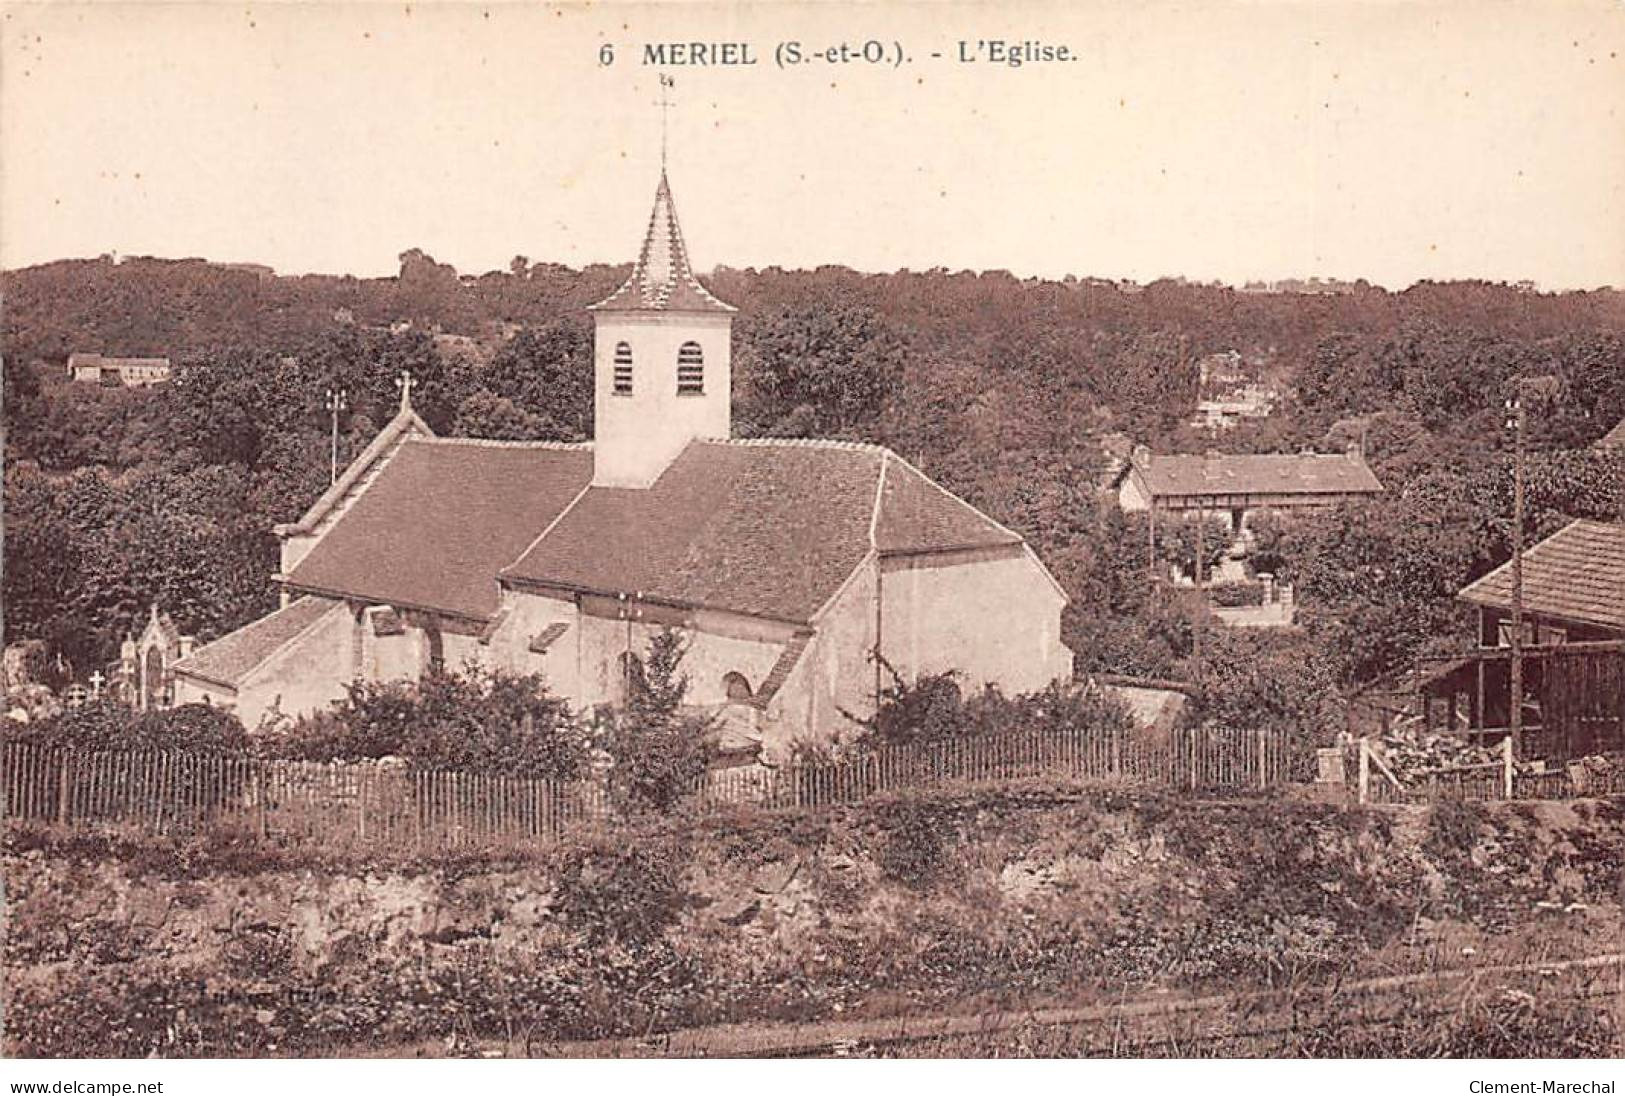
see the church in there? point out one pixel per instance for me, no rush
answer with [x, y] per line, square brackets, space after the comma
[786, 564]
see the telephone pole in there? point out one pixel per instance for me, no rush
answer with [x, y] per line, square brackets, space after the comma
[1523, 390]
[1515, 721]
[337, 401]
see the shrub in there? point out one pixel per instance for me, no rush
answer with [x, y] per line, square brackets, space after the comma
[928, 709]
[932, 709]
[615, 892]
[476, 720]
[913, 850]
[108, 725]
[1232, 595]
[659, 751]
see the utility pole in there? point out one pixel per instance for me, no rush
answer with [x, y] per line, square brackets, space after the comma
[1201, 593]
[1523, 389]
[1515, 720]
[337, 401]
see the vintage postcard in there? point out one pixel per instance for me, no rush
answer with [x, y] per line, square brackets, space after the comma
[890, 530]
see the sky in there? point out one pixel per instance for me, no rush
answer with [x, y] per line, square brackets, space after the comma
[1237, 141]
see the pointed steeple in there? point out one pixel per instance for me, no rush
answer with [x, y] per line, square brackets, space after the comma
[662, 280]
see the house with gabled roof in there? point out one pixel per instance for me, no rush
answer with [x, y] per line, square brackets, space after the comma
[1232, 485]
[1573, 588]
[1572, 606]
[788, 564]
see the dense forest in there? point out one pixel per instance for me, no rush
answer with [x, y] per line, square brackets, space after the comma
[999, 387]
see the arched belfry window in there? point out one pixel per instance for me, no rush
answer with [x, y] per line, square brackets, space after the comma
[690, 369]
[623, 369]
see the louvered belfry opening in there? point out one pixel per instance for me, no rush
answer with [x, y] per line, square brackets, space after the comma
[623, 369]
[690, 369]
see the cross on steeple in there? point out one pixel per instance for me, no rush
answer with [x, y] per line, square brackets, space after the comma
[664, 104]
[404, 382]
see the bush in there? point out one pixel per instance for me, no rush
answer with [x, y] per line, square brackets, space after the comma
[914, 850]
[478, 720]
[932, 709]
[613, 892]
[108, 725]
[659, 751]
[1233, 595]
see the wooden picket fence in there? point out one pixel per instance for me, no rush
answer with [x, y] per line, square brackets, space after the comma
[389, 803]
[1194, 759]
[1499, 779]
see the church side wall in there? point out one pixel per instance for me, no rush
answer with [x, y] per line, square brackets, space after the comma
[584, 663]
[997, 621]
[190, 690]
[526, 617]
[834, 672]
[303, 677]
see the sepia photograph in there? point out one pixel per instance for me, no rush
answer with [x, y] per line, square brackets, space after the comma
[750, 530]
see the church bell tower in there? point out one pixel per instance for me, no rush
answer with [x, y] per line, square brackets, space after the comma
[661, 360]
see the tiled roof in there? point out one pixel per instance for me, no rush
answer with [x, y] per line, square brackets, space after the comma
[441, 519]
[765, 528]
[1615, 438]
[789, 655]
[661, 280]
[1577, 573]
[916, 515]
[405, 424]
[231, 658]
[1151, 709]
[1259, 474]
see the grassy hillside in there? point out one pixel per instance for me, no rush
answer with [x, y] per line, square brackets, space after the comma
[910, 906]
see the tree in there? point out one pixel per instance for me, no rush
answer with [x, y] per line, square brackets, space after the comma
[546, 374]
[659, 751]
[821, 370]
[1177, 541]
[487, 415]
[1259, 681]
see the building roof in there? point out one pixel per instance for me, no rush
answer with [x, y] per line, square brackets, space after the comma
[1258, 474]
[231, 658]
[1152, 709]
[1577, 573]
[405, 424]
[661, 280]
[1615, 438]
[769, 529]
[83, 359]
[765, 528]
[441, 519]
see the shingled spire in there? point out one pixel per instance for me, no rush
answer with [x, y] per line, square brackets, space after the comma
[662, 280]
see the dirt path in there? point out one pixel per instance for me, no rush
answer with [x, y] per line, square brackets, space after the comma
[792, 1039]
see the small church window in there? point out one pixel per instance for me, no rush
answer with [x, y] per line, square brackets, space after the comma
[690, 369]
[623, 369]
